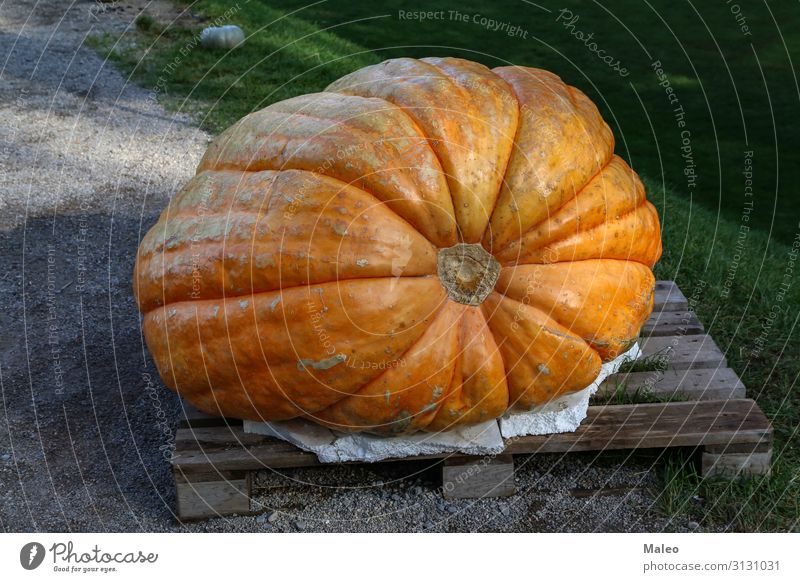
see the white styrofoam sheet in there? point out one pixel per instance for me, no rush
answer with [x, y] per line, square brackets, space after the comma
[335, 447]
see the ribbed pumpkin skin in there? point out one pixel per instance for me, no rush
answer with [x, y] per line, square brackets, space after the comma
[296, 274]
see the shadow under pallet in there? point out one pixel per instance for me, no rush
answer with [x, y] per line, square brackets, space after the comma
[704, 407]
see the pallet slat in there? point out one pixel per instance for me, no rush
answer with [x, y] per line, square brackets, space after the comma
[642, 426]
[631, 426]
[672, 323]
[684, 351]
[668, 297]
[688, 384]
[469, 478]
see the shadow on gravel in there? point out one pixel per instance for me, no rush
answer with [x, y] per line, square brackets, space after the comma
[86, 424]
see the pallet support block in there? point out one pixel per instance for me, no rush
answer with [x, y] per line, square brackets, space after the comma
[204, 496]
[470, 478]
[737, 460]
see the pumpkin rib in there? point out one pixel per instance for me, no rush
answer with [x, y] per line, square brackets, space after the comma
[503, 180]
[456, 396]
[167, 257]
[532, 394]
[554, 210]
[171, 335]
[496, 195]
[418, 194]
[609, 332]
[456, 378]
[616, 191]
[352, 184]
[359, 393]
[264, 291]
[513, 262]
[568, 104]
[421, 132]
[646, 204]
[445, 143]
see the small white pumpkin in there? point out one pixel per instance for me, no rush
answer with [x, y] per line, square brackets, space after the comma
[223, 37]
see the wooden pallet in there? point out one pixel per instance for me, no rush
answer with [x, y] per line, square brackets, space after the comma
[705, 408]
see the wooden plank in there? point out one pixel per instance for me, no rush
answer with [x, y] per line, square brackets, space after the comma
[200, 500]
[668, 297]
[671, 424]
[212, 437]
[689, 384]
[268, 453]
[211, 475]
[738, 448]
[736, 464]
[471, 478]
[627, 426]
[684, 351]
[663, 323]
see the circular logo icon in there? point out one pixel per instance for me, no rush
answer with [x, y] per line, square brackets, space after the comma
[31, 555]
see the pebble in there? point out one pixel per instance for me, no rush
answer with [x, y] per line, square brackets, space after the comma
[273, 517]
[6, 457]
[452, 509]
[693, 525]
[300, 524]
[505, 510]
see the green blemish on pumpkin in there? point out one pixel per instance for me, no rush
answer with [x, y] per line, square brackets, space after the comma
[216, 310]
[437, 392]
[543, 369]
[401, 424]
[325, 364]
[264, 261]
[274, 303]
[243, 303]
[387, 395]
[362, 263]
[340, 228]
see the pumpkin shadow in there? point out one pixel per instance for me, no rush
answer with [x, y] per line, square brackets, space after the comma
[89, 423]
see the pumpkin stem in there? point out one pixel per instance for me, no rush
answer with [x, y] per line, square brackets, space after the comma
[467, 272]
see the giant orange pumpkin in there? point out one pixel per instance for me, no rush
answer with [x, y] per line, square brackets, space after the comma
[425, 244]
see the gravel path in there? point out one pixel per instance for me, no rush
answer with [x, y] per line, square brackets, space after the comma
[87, 162]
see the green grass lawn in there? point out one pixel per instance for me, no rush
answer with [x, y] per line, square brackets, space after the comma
[738, 93]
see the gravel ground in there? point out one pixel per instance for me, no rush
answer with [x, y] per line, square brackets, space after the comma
[87, 162]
